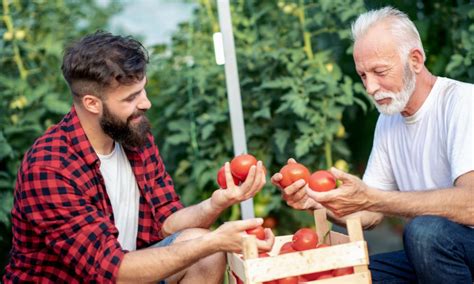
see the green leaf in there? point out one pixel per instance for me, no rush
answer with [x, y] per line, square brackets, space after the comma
[281, 138]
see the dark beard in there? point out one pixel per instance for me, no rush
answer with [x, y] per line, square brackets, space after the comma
[122, 132]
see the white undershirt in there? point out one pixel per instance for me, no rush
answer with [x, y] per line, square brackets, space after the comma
[430, 149]
[123, 193]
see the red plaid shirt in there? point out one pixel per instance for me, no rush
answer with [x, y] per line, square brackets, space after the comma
[63, 226]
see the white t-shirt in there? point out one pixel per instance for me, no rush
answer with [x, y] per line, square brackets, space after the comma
[429, 149]
[123, 192]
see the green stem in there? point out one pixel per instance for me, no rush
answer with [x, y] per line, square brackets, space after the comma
[214, 24]
[16, 50]
[306, 35]
[309, 52]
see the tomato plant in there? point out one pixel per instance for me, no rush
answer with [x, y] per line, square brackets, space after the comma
[259, 232]
[304, 239]
[221, 181]
[322, 181]
[240, 165]
[293, 172]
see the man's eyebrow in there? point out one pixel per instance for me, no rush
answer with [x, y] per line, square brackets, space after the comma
[137, 92]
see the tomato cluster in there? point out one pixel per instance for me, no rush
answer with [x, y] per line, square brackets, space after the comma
[321, 180]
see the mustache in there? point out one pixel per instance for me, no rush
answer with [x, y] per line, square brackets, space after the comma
[136, 114]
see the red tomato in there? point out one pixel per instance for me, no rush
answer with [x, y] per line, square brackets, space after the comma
[287, 248]
[304, 239]
[270, 222]
[259, 232]
[288, 280]
[221, 179]
[343, 271]
[316, 276]
[240, 165]
[237, 279]
[292, 173]
[263, 254]
[322, 181]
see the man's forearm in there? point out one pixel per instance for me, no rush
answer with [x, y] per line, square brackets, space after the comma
[153, 264]
[201, 215]
[456, 204]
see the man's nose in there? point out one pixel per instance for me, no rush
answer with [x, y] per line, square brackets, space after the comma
[371, 85]
[144, 103]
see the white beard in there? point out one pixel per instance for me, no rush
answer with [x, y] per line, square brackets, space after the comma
[400, 99]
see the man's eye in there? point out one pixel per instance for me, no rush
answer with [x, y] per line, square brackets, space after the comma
[381, 73]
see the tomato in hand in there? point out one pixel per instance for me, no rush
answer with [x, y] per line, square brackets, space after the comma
[240, 165]
[322, 181]
[293, 172]
[305, 239]
[221, 181]
[259, 232]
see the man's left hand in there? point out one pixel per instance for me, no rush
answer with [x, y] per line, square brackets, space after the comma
[223, 198]
[352, 196]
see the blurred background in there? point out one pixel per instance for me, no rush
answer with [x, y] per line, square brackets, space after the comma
[301, 96]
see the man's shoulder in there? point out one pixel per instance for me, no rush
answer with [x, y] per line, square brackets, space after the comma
[53, 149]
[454, 88]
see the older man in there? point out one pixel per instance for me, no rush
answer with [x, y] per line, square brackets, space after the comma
[422, 161]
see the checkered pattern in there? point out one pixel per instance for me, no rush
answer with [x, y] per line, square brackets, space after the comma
[63, 225]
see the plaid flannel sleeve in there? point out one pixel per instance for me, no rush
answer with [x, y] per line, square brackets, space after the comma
[71, 225]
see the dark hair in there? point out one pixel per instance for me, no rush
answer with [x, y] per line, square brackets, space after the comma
[96, 61]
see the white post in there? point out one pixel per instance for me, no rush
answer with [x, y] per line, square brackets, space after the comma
[233, 92]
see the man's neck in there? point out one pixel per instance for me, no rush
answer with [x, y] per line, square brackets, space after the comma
[100, 141]
[424, 83]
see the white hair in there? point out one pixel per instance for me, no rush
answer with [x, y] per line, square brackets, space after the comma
[400, 26]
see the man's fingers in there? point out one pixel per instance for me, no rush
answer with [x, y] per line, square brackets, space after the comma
[294, 187]
[291, 161]
[339, 174]
[242, 225]
[228, 175]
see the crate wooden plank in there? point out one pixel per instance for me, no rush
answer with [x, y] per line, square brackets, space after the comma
[354, 228]
[338, 238]
[357, 278]
[299, 263]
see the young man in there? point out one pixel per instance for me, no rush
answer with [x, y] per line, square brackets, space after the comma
[93, 201]
[422, 161]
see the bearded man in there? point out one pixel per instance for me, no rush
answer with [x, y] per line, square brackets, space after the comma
[422, 161]
[93, 201]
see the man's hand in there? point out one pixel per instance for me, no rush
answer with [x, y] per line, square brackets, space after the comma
[295, 194]
[229, 236]
[223, 198]
[352, 196]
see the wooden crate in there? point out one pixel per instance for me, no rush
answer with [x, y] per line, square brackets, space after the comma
[344, 251]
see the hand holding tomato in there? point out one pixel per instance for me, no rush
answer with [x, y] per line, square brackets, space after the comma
[295, 194]
[229, 236]
[235, 193]
[351, 196]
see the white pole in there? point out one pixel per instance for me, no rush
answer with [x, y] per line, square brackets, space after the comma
[233, 92]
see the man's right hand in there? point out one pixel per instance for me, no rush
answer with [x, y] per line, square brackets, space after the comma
[295, 194]
[229, 236]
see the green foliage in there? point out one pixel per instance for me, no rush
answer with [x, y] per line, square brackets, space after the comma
[294, 91]
[33, 92]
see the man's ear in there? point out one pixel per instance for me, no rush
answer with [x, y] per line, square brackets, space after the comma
[92, 104]
[416, 60]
